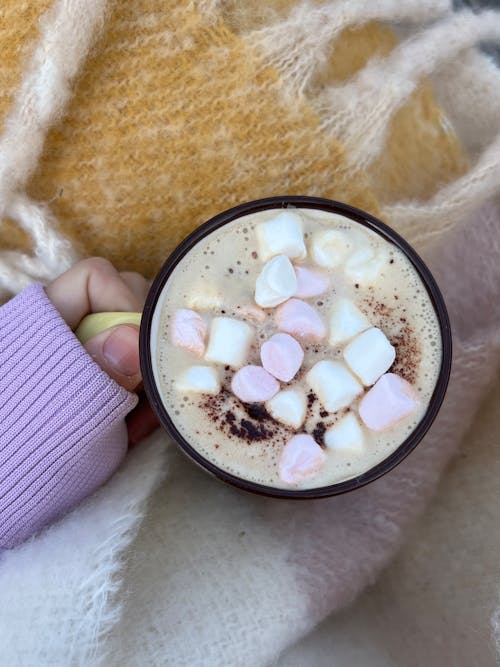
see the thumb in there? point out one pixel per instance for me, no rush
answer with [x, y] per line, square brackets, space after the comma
[117, 353]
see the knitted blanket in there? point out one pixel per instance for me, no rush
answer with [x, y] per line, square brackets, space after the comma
[124, 126]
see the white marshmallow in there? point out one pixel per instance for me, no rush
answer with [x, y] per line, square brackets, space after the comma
[365, 264]
[200, 380]
[330, 247]
[370, 355]
[281, 236]
[362, 254]
[346, 435]
[276, 282]
[204, 297]
[229, 341]
[346, 321]
[288, 407]
[333, 384]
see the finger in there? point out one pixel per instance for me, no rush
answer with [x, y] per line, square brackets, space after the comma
[137, 284]
[117, 353]
[91, 286]
[141, 422]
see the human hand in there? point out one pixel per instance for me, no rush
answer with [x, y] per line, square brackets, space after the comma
[92, 286]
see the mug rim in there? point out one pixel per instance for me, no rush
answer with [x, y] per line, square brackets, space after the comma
[284, 202]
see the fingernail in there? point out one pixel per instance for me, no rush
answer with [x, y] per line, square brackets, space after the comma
[121, 350]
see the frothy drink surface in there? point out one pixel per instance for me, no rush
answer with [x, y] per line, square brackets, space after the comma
[217, 279]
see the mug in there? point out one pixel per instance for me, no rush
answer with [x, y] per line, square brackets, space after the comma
[95, 323]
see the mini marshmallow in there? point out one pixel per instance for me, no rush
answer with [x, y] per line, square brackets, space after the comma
[330, 247]
[253, 384]
[389, 400]
[200, 380]
[229, 341]
[189, 331]
[204, 297]
[333, 384]
[288, 407]
[346, 435]
[310, 282]
[346, 321]
[364, 265]
[275, 283]
[364, 253]
[298, 318]
[301, 459]
[282, 356]
[369, 355]
[281, 236]
[251, 313]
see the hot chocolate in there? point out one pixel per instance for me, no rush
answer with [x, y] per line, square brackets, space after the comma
[295, 348]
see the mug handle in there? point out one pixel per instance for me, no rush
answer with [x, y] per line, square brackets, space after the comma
[91, 325]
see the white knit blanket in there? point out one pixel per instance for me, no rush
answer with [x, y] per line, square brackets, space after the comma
[165, 566]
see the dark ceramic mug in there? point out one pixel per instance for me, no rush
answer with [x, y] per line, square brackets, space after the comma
[95, 323]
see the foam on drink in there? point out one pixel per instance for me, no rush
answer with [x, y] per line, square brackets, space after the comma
[361, 268]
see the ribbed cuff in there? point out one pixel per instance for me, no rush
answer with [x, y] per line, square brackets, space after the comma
[62, 430]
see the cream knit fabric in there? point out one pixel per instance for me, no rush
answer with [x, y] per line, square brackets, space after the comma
[433, 605]
[257, 575]
[67, 33]
[208, 576]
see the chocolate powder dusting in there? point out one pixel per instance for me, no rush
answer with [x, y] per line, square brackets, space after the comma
[248, 430]
[382, 310]
[251, 431]
[408, 353]
[319, 433]
[212, 405]
[257, 412]
[255, 428]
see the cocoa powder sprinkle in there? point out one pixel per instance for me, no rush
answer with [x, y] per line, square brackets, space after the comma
[408, 353]
[319, 433]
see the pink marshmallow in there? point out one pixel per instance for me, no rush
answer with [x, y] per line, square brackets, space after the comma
[389, 400]
[253, 384]
[310, 282]
[253, 314]
[298, 318]
[301, 458]
[189, 331]
[282, 356]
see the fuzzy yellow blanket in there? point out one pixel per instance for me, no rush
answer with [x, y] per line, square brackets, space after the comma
[126, 125]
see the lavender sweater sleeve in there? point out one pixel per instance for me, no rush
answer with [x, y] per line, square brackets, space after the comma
[62, 429]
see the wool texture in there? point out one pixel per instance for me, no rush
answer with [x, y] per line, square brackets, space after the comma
[433, 604]
[124, 126]
[68, 577]
[268, 572]
[201, 150]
